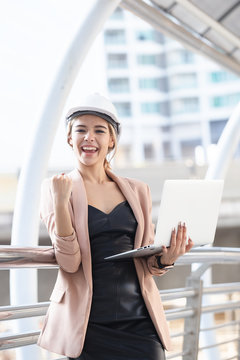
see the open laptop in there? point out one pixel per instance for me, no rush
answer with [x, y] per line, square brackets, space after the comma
[195, 202]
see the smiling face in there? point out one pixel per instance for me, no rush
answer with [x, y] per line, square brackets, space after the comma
[90, 139]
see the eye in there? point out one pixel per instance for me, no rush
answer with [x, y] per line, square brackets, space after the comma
[80, 130]
[100, 131]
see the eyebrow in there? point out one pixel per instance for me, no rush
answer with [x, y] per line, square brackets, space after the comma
[96, 126]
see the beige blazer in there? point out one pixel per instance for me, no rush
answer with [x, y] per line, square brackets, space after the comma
[66, 321]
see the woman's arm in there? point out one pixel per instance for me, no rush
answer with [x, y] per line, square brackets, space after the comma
[55, 213]
[61, 187]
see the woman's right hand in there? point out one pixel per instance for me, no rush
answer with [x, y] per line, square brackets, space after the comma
[61, 188]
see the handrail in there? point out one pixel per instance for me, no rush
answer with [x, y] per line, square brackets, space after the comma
[17, 340]
[43, 256]
[39, 257]
[221, 288]
[35, 256]
[23, 311]
[40, 309]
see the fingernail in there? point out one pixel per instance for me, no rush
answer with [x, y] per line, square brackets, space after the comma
[173, 229]
[179, 224]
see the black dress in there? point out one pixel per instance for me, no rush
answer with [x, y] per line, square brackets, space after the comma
[119, 327]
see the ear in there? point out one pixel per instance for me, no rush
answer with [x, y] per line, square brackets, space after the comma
[70, 142]
[111, 143]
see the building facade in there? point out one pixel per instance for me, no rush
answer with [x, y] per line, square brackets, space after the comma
[173, 103]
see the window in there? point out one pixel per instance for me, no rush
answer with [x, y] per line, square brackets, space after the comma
[117, 61]
[181, 81]
[147, 59]
[159, 84]
[149, 83]
[114, 37]
[151, 59]
[148, 151]
[188, 147]
[184, 105]
[166, 128]
[225, 100]
[118, 85]
[161, 108]
[151, 108]
[167, 150]
[216, 128]
[149, 35]
[222, 76]
[181, 56]
[123, 108]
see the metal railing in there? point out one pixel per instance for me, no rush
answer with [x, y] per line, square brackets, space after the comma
[189, 313]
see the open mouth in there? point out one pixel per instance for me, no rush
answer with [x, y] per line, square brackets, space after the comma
[89, 149]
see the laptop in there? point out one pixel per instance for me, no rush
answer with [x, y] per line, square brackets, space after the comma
[195, 202]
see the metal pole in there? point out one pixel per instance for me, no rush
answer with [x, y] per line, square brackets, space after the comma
[26, 213]
[192, 324]
[226, 147]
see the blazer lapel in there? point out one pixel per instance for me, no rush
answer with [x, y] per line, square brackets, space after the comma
[133, 202]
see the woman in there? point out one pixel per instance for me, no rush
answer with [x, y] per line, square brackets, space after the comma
[103, 310]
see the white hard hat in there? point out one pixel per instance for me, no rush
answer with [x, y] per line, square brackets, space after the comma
[99, 105]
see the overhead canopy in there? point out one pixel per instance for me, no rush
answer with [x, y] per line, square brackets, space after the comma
[211, 27]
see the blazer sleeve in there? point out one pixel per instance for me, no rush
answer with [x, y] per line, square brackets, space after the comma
[67, 250]
[152, 269]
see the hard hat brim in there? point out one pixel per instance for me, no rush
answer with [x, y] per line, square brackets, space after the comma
[83, 110]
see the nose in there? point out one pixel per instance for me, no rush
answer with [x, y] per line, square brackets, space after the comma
[89, 136]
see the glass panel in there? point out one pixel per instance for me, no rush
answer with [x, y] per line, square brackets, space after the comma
[117, 61]
[114, 37]
[149, 83]
[149, 35]
[181, 81]
[184, 105]
[222, 76]
[216, 128]
[148, 151]
[151, 59]
[118, 85]
[151, 107]
[167, 150]
[147, 59]
[181, 56]
[225, 100]
[188, 147]
[123, 108]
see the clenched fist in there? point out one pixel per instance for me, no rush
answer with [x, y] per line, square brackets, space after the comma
[61, 188]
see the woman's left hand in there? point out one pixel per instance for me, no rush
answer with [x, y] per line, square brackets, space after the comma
[178, 245]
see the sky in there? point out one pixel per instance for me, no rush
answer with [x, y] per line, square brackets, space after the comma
[34, 37]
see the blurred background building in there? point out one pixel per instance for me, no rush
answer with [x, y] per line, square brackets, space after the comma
[173, 103]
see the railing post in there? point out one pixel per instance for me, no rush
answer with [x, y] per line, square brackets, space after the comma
[238, 346]
[192, 325]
